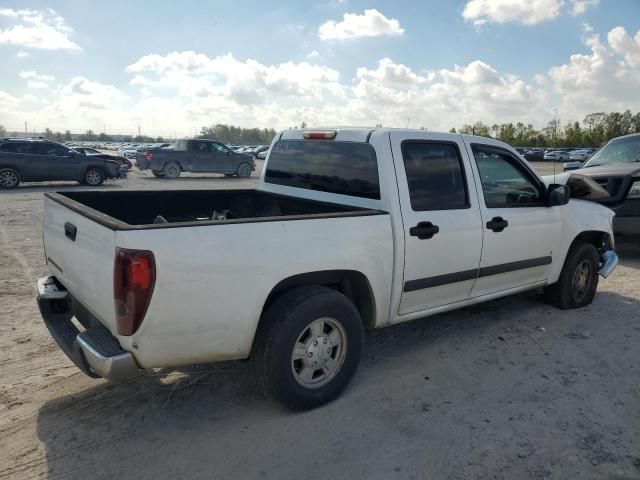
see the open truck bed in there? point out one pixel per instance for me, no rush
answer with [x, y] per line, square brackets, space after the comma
[205, 248]
[134, 210]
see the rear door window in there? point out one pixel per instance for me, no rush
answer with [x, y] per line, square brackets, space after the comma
[345, 168]
[435, 175]
[18, 147]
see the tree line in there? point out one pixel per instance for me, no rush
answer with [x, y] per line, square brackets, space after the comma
[596, 129]
[231, 134]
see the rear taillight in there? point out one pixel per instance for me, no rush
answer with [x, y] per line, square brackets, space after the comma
[134, 277]
[148, 157]
[320, 135]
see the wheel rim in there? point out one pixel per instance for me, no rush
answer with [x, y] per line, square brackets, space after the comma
[172, 171]
[319, 353]
[93, 177]
[581, 280]
[8, 179]
[244, 170]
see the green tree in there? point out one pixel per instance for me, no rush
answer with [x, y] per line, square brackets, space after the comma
[67, 136]
[48, 134]
[3, 131]
[58, 137]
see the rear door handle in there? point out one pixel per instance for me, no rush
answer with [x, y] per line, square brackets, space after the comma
[424, 230]
[70, 231]
[497, 224]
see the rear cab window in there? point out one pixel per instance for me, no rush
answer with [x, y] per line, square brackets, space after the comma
[345, 168]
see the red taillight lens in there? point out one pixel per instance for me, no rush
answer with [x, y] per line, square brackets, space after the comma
[320, 135]
[134, 277]
[148, 157]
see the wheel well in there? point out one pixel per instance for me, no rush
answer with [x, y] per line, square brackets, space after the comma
[354, 285]
[596, 238]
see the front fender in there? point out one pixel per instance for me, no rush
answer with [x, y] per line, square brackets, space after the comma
[579, 217]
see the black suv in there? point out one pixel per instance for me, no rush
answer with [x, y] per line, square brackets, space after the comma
[37, 160]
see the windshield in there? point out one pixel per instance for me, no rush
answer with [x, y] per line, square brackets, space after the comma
[619, 150]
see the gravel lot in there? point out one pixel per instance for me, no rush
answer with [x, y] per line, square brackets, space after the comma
[508, 389]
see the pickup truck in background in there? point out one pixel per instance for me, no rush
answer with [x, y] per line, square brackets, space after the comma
[616, 168]
[196, 156]
[349, 229]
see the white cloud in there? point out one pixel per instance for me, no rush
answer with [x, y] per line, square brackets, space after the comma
[313, 54]
[622, 43]
[606, 79]
[578, 7]
[23, 54]
[370, 24]
[524, 12]
[43, 29]
[32, 74]
[37, 84]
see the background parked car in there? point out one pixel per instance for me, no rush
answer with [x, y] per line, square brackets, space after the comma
[581, 155]
[534, 155]
[30, 160]
[556, 156]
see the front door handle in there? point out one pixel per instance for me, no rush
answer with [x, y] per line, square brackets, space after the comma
[497, 224]
[424, 230]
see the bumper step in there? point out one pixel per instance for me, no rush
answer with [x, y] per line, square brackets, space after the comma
[95, 351]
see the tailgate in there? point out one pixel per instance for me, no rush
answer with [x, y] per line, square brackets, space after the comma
[80, 253]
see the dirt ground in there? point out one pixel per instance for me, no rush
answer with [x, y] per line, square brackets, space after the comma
[510, 389]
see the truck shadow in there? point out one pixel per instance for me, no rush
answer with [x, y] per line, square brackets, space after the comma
[169, 424]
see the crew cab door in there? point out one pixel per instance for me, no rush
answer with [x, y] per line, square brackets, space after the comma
[441, 219]
[202, 156]
[224, 160]
[520, 231]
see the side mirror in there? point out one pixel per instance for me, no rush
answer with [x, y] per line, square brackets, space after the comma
[558, 195]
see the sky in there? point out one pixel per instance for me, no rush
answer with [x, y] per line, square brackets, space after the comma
[168, 68]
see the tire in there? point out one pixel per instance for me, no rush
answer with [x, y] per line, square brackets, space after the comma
[158, 174]
[313, 317]
[171, 170]
[578, 280]
[93, 177]
[244, 170]
[9, 178]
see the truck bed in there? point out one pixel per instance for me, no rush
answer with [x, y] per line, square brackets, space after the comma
[134, 210]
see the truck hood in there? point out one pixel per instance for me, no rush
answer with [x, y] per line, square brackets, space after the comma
[614, 169]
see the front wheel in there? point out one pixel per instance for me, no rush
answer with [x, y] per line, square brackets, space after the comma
[308, 347]
[578, 280]
[244, 170]
[9, 178]
[93, 177]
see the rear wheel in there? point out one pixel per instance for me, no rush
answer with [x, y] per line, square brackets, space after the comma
[171, 170]
[244, 170]
[9, 178]
[578, 280]
[93, 177]
[308, 347]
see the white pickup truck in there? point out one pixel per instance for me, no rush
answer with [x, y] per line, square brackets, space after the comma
[349, 229]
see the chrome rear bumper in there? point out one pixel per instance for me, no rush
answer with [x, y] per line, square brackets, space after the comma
[94, 351]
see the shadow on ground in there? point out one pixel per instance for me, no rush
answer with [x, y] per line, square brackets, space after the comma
[512, 388]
